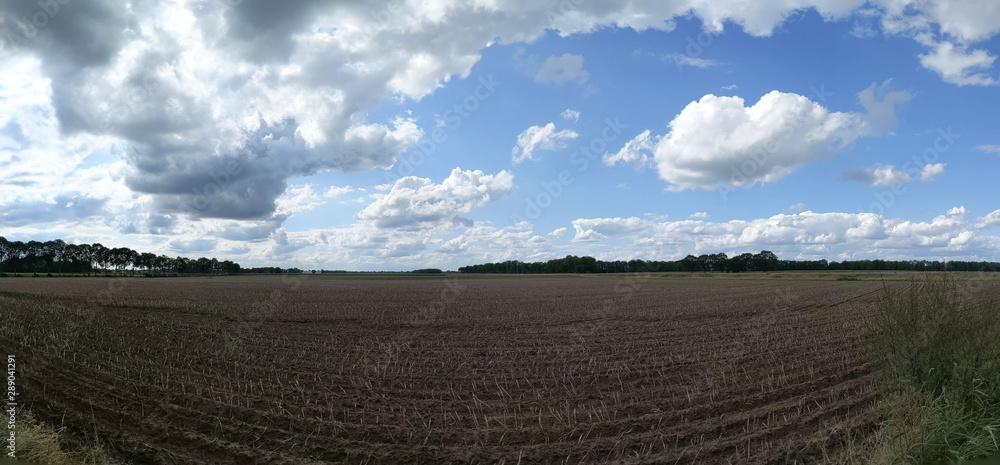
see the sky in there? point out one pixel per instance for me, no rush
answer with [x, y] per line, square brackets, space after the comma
[409, 134]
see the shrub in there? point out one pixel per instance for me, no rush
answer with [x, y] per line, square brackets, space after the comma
[940, 339]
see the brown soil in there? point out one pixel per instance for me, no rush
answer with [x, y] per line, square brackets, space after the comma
[467, 369]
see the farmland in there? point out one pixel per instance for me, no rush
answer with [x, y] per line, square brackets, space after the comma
[447, 369]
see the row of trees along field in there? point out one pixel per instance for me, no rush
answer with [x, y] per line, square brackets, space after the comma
[763, 261]
[720, 262]
[59, 257]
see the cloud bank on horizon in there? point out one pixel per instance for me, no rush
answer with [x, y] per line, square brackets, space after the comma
[401, 134]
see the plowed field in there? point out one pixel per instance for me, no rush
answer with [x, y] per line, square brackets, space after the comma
[439, 369]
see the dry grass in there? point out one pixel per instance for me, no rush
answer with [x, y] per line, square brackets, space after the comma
[38, 443]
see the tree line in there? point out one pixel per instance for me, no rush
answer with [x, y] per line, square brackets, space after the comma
[720, 262]
[59, 257]
[763, 261]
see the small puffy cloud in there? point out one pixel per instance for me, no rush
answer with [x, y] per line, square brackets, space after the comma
[958, 212]
[562, 69]
[699, 215]
[570, 115]
[297, 199]
[992, 219]
[989, 148]
[880, 105]
[558, 232]
[634, 152]
[730, 87]
[931, 170]
[539, 138]
[596, 229]
[417, 203]
[796, 208]
[958, 65]
[879, 176]
[682, 60]
[335, 191]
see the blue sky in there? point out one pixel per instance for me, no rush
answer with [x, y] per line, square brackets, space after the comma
[402, 135]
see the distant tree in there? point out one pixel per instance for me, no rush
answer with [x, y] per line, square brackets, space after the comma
[57, 252]
[742, 263]
[717, 262]
[146, 261]
[690, 263]
[6, 251]
[765, 261]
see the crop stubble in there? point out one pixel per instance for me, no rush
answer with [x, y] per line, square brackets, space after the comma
[467, 369]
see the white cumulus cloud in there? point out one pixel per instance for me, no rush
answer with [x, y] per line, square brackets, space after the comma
[795, 208]
[931, 170]
[958, 65]
[335, 191]
[635, 152]
[416, 203]
[879, 176]
[540, 138]
[570, 115]
[562, 69]
[805, 235]
[721, 141]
